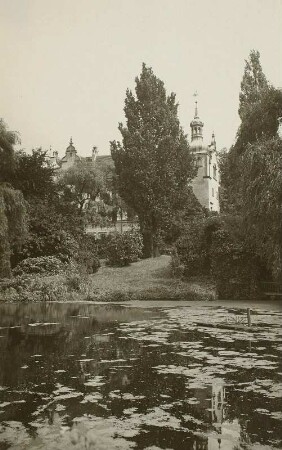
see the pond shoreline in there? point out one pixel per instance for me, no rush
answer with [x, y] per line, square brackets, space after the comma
[145, 280]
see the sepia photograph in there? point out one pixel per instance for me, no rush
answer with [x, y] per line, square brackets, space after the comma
[141, 224]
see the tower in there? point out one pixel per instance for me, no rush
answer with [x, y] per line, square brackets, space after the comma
[206, 183]
[196, 129]
[71, 151]
[70, 157]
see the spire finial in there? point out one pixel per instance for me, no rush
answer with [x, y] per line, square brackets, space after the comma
[71, 140]
[196, 105]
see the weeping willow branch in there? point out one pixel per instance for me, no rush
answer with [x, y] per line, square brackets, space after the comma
[13, 225]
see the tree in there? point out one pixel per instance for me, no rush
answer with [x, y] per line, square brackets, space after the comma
[52, 231]
[260, 119]
[33, 175]
[262, 200]
[13, 226]
[80, 184]
[251, 170]
[7, 141]
[13, 217]
[259, 108]
[153, 163]
[253, 84]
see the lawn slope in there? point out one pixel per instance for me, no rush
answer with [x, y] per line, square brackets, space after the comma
[148, 279]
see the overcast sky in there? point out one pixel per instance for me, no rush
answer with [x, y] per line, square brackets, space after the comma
[66, 64]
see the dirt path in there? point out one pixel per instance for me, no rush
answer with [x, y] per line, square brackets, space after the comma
[149, 279]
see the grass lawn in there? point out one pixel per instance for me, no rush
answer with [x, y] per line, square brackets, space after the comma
[148, 279]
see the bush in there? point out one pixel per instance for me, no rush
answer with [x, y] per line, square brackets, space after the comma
[42, 265]
[88, 261]
[191, 248]
[124, 248]
[102, 244]
[60, 244]
[87, 255]
[235, 268]
[31, 288]
[218, 247]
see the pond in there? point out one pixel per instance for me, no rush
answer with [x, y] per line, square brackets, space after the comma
[102, 377]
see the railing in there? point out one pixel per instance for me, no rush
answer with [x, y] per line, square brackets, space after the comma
[271, 288]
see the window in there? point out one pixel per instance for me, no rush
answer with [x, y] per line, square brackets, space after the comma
[213, 192]
[199, 161]
[214, 171]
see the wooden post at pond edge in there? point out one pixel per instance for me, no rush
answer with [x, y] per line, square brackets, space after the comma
[249, 317]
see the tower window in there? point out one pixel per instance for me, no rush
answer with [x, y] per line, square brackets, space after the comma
[198, 161]
[213, 192]
[214, 171]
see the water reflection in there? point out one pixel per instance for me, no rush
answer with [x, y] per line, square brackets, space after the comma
[110, 377]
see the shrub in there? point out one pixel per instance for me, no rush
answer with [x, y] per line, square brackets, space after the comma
[124, 248]
[235, 268]
[101, 245]
[191, 248]
[73, 281]
[89, 261]
[218, 247]
[87, 255]
[59, 243]
[41, 265]
[31, 288]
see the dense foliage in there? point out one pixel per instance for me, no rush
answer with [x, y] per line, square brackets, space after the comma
[87, 255]
[33, 175]
[7, 162]
[153, 162]
[253, 84]
[261, 192]
[251, 170]
[13, 226]
[42, 265]
[51, 233]
[80, 184]
[124, 248]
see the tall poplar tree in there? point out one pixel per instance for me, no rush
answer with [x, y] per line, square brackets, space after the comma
[253, 84]
[153, 161]
[251, 171]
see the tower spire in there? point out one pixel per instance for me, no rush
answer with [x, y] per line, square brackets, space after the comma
[196, 127]
[196, 110]
[196, 105]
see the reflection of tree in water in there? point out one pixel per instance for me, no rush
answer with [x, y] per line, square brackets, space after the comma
[87, 342]
[32, 355]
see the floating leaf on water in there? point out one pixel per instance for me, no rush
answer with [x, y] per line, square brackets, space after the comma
[4, 404]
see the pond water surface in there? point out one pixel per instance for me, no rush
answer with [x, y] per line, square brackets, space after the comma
[108, 377]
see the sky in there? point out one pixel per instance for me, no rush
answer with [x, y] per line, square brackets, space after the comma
[66, 64]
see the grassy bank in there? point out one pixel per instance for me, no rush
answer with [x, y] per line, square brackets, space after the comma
[149, 279]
